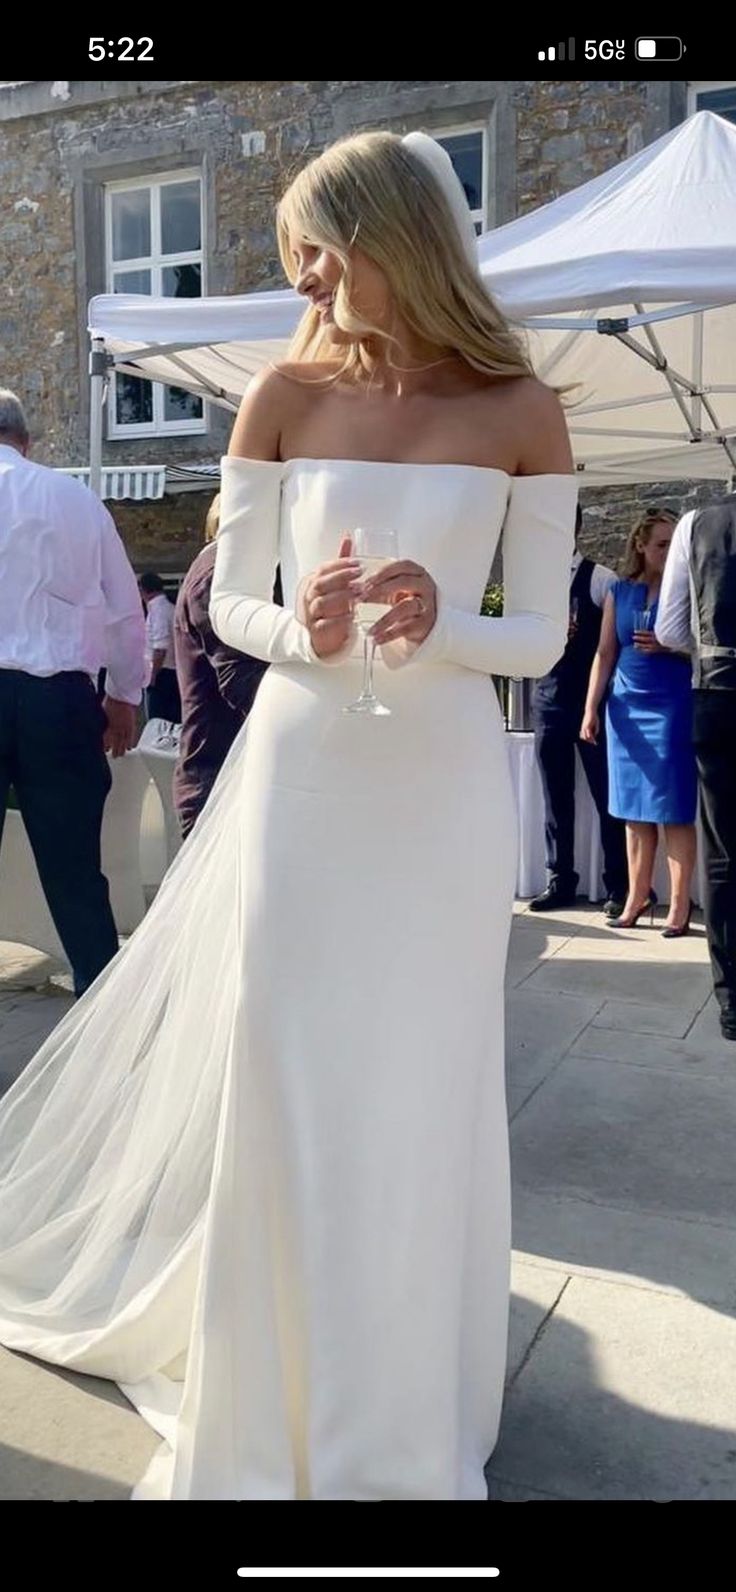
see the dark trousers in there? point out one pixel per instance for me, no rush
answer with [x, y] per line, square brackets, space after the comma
[556, 739]
[162, 697]
[715, 750]
[51, 752]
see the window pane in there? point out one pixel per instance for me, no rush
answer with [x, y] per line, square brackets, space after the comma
[720, 100]
[132, 282]
[133, 401]
[181, 405]
[182, 281]
[181, 230]
[131, 224]
[466, 153]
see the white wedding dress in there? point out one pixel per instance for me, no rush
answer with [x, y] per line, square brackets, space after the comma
[269, 1147]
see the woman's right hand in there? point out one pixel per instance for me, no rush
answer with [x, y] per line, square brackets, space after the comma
[591, 727]
[327, 598]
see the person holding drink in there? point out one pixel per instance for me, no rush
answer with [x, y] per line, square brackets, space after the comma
[652, 774]
[293, 1183]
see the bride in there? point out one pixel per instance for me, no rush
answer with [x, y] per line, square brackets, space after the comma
[259, 1174]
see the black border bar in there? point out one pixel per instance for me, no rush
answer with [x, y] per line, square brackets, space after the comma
[202, 51]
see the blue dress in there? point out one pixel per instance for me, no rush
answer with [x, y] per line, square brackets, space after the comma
[651, 764]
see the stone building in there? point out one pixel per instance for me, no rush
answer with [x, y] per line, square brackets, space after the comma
[169, 187]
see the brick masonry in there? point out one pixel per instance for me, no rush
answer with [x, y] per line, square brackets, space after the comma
[60, 143]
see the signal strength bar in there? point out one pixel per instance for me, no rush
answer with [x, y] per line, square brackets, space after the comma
[558, 52]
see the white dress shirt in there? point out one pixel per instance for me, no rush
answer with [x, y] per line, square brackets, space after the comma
[674, 625]
[69, 599]
[160, 629]
[602, 580]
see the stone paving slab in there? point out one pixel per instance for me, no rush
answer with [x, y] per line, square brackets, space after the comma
[669, 1254]
[645, 1409]
[643, 981]
[534, 1293]
[25, 1025]
[64, 1436]
[708, 1058]
[634, 1137]
[540, 1030]
[634, 1017]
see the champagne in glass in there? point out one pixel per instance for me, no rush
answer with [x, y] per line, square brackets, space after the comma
[367, 614]
[374, 549]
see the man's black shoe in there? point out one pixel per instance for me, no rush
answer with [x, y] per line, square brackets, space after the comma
[613, 907]
[553, 899]
[728, 1025]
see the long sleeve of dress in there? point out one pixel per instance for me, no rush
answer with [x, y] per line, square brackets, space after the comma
[241, 608]
[537, 547]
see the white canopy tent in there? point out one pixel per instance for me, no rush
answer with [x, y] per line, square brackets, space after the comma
[627, 287]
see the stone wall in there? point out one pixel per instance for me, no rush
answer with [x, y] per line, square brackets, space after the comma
[610, 512]
[166, 535]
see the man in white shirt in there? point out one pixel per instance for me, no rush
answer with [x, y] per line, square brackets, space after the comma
[557, 704]
[162, 696]
[697, 611]
[69, 605]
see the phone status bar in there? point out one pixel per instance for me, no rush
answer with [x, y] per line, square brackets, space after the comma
[651, 48]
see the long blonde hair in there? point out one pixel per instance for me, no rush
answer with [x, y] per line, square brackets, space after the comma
[633, 562]
[371, 192]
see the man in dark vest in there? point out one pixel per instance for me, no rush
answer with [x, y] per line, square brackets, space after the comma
[557, 705]
[697, 608]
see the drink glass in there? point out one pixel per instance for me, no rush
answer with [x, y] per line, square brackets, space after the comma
[374, 549]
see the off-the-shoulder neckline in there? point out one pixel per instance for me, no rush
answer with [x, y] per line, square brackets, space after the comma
[404, 464]
[411, 464]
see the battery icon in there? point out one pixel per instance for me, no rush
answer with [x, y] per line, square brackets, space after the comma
[659, 49]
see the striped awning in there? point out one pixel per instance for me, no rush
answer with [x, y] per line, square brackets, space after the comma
[140, 482]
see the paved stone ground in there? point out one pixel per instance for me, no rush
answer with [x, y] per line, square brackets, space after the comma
[622, 1366]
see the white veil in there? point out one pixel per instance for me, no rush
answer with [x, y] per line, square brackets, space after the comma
[437, 162]
[107, 1139]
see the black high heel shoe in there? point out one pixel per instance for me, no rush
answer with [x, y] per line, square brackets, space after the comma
[677, 931]
[630, 923]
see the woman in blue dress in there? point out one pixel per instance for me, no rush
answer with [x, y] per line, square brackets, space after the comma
[651, 764]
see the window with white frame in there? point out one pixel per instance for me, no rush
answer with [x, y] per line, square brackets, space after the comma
[467, 149]
[718, 97]
[154, 246]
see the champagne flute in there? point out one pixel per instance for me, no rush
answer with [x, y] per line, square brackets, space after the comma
[374, 549]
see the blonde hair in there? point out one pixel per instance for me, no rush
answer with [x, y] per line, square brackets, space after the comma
[639, 535]
[371, 192]
[212, 522]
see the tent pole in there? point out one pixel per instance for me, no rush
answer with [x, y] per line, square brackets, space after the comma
[98, 363]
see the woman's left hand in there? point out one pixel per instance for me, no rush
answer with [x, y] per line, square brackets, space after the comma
[646, 641]
[412, 594]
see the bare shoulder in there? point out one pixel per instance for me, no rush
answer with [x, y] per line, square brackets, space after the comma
[306, 373]
[274, 399]
[541, 429]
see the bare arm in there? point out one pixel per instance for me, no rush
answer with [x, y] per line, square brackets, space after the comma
[604, 664]
[257, 430]
[544, 447]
